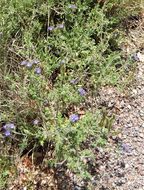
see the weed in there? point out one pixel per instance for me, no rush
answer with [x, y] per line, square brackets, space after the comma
[54, 56]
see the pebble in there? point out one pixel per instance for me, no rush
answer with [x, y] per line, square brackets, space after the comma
[120, 182]
[129, 107]
[120, 174]
[141, 113]
[134, 91]
[141, 135]
[129, 125]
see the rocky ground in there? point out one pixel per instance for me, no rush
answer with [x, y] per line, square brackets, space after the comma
[124, 168]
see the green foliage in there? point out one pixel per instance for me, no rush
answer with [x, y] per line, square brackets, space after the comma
[6, 167]
[4, 172]
[86, 49]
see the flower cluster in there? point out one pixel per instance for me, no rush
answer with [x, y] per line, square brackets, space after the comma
[8, 129]
[29, 64]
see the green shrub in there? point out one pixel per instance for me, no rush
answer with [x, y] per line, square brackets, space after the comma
[54, 57]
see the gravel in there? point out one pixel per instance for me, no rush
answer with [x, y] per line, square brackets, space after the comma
[126, 150]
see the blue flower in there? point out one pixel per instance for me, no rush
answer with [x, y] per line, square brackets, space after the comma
[72, 6]
[50, 28]
[74, 117]
[7, 133]
[38, 70]
[8, 128]
[82, 91]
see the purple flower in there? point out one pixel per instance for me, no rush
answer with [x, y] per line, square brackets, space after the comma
[9, 126]
[36, 122]
[82, 91]
[29, 64]
[61, 26]
[72, 6]
[38, 70]
[74, 118]
[24, 63]
[74, 81]
[50, 28]
[7, 133]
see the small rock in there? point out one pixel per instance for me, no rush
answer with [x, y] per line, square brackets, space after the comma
[122, 104]
[129, 125]
[141, 113]
[77, 188]
[43, 182]
[111, 104]
[127, 166]
[134, 91]
[141, 135]
[129, 107]
[135, 153]
[120, 173]
[94, 181]
[120, 182]
[121, 164]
